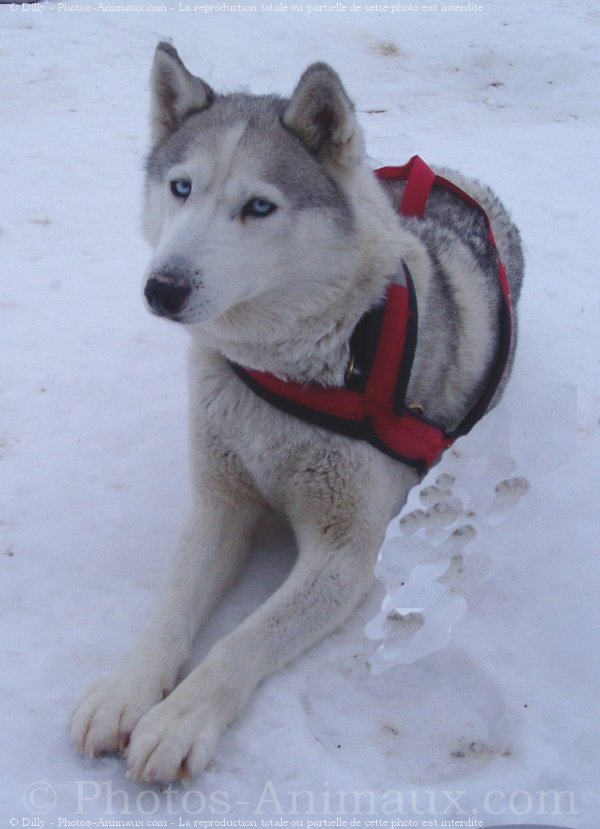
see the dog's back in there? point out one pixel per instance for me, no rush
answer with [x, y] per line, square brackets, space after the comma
[457, 238]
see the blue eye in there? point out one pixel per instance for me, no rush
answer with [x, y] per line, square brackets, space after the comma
[258, 208]
[181, 188]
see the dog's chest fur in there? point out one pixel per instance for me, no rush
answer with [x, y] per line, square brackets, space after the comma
[276, 457]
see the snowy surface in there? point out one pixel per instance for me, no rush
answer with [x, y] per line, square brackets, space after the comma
[93, 446]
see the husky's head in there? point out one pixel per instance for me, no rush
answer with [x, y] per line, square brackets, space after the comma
[245, 203]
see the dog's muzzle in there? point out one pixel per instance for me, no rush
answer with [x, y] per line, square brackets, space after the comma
[166, 295]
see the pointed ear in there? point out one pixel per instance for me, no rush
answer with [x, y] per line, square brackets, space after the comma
[322, 115]
[175, 92]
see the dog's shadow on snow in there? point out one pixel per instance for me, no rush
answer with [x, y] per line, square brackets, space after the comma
[270, 561]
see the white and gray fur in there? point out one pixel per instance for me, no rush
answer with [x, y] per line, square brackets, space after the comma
[281, 293]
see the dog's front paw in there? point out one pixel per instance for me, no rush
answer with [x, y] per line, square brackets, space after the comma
[174, 740]
[110, 710]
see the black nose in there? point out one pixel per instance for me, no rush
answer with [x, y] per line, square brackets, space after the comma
[165, 296]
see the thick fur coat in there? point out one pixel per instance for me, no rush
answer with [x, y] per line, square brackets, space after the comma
[271, 238]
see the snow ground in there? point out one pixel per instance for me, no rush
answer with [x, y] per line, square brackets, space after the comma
[95, 477]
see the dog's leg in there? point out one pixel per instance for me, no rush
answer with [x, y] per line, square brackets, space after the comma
[334, 569]
[209, 557]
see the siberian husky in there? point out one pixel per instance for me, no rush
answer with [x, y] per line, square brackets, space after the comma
[272, 238]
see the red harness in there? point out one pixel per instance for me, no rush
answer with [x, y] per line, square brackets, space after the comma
[371, 405]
